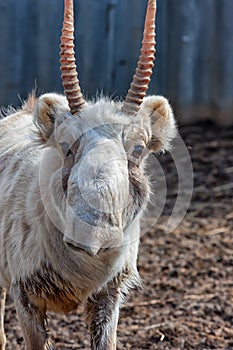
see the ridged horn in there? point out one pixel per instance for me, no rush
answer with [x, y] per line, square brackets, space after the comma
[68, 67]
[145, 65]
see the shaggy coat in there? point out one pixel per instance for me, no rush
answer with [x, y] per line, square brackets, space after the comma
[72, 193]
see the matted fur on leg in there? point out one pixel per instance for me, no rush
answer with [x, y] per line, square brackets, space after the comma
[2, 308]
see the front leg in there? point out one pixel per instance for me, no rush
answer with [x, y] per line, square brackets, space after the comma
[32, 319]
[2, 308]
[102, 309]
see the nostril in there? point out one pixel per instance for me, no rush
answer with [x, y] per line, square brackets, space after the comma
[92, 251]
[105, 250]
[71, 246]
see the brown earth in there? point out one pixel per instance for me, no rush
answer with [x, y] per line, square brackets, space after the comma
[187, 298]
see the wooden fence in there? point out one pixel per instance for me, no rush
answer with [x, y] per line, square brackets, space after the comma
[194, 51]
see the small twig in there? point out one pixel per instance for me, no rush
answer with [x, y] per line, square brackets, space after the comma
[228, 170]
[144, 303]
[229, 216]
[154, 326]
[162, 336]
[216, 231]
[223, 187]
[199, 296]
[147, 328]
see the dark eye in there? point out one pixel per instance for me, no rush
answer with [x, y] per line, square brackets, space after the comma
[137, 152]
[69, 153]
[66, 149]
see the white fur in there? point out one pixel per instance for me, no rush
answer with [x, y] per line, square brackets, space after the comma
[33, 206]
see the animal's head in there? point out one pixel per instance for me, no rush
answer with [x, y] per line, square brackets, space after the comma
[102, 147]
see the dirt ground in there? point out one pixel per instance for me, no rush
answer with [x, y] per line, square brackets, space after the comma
[187, 297]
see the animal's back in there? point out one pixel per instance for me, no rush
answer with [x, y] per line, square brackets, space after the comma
[17, 138]
[16, 173]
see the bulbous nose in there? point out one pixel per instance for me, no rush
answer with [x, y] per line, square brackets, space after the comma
[91, 251]
[102, 177]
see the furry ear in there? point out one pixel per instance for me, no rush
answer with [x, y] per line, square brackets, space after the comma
[48, 107]
[163, 126]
